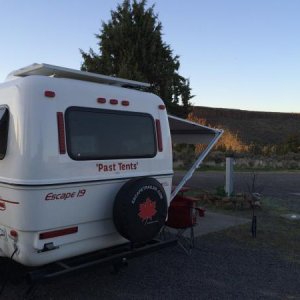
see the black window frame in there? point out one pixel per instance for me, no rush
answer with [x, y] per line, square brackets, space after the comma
[4, 125]
[106, 111]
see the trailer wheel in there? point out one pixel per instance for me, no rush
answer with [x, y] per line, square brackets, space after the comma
[140, 209]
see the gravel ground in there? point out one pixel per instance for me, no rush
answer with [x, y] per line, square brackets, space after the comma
[219, 268]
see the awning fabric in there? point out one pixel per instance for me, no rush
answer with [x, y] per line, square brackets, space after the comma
[187, 132]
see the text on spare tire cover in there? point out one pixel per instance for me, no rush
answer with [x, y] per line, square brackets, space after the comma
[145, 188]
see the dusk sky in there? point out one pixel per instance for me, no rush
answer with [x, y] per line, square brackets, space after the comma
[237, 54]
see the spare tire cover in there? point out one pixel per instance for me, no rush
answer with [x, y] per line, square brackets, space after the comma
[140, 209]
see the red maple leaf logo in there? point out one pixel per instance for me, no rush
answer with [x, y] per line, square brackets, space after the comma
[147, 210]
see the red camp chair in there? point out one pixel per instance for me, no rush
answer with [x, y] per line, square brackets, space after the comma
[182, 216]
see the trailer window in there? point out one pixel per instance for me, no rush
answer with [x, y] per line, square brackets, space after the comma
[4, 118]
[107, 134]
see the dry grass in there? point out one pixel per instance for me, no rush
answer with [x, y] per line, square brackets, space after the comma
[273, 230]
[229, 140]
[250, 126]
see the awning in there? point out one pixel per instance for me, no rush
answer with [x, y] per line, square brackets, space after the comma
[187, 132]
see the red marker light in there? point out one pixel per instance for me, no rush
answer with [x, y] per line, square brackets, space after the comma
[2, 206]
[113, 101]
[159, 136]
[57, 233]
[13, 233]
[49, 94]
[101, 100]
[125, 103]
[61, 132]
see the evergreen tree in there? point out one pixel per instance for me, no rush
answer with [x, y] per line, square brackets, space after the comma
[131, 47]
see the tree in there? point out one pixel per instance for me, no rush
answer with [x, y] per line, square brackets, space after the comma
[131, 46]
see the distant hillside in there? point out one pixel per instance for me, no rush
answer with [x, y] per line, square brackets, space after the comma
[251, 126]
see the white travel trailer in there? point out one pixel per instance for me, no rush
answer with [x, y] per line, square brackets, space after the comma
[85, 162]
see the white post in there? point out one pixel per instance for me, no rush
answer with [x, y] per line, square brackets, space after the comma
[229, 176]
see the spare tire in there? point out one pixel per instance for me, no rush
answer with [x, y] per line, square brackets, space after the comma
[140, 209]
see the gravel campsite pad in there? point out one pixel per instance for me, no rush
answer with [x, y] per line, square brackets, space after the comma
[226, 264]
[220, 268]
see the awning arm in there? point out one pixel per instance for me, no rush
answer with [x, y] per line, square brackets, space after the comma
[197, 163]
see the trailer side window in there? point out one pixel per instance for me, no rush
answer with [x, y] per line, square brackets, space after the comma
[4, 119]
[108, 134]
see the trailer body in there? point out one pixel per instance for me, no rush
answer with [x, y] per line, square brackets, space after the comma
[72, 142]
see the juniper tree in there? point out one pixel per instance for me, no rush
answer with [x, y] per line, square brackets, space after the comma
[131, 46]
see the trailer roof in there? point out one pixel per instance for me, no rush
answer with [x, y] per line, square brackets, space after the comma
[56, 71]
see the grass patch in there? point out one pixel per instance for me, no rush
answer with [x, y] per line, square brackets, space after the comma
[273, 230]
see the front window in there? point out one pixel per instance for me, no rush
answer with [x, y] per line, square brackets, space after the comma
[4, 120]
[108, 134]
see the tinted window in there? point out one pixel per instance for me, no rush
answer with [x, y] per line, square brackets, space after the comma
[106, 134]
[4, 118]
